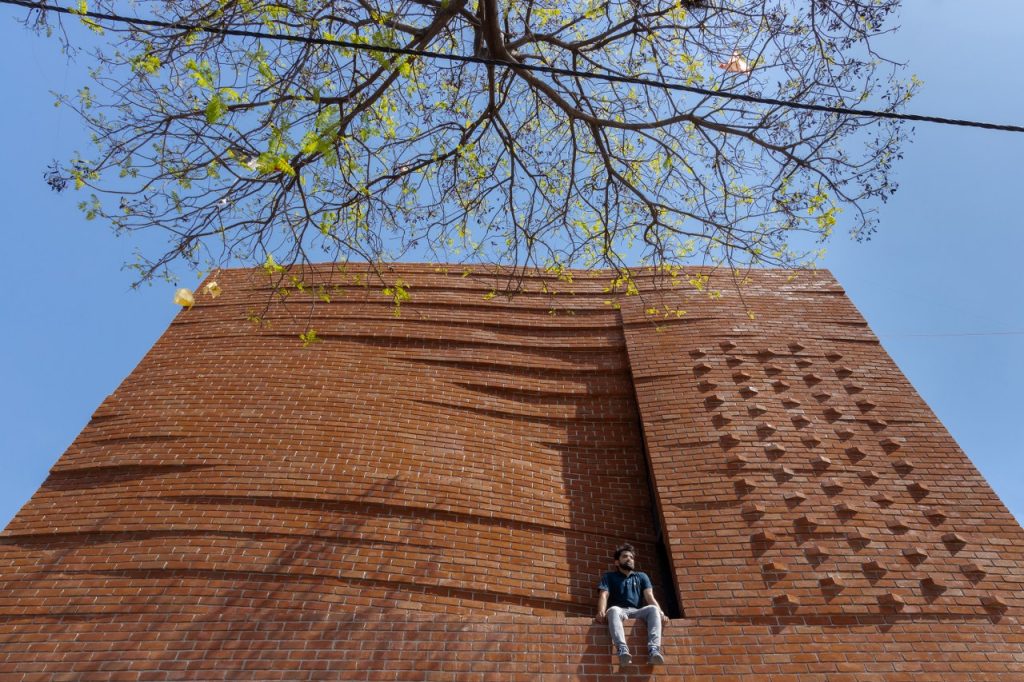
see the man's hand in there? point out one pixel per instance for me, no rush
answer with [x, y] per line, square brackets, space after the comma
[602, 616]
[664, 618]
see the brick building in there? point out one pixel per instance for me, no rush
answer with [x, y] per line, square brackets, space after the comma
[434, 496]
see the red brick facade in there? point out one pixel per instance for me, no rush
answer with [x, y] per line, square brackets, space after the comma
[434, 496]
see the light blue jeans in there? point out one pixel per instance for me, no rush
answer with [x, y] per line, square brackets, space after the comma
[617, 615]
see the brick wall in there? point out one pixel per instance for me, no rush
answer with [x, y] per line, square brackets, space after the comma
[434, 495]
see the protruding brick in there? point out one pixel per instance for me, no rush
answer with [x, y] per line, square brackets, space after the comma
[807, 521]
[727, 345]
[935, 515]
[832, 414]
[794, 497]
[846, 509]
[973, 568]
[874, 566]
[705, 386]
[882, 500]
[757, 409]
[728, 440]
[866, 405]
[918, 489]
[817, 553]
[780, 385]
[701, 368]
[993, 602]
[811, 379]
[821, 462]
[903, 466]
[915, 555]
[831, 485]
[784, 472]
[843, 372]
[855, 454]
[749, 391]
[933, 584]
[790, 403]
[877, 424]
[893, 601]
[859, 538]
[853, 388]
[845, 434]
[831, 582]
[746, 485]
[869, 477]
[892, 444]
[741, 376]
[752, 509]
[796, 347]
[803, 363]
[774, 567]
[774, 450]
[721, 419]
[954, 540]
[737, 461]
[785, 601]
[822, 396]
[772, 369]
[763, 537]
[833, 356]
[800, 420]
[714, 400]
[897, 526]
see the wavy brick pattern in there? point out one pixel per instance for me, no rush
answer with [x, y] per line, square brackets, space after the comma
[419, 462]
[433, 496]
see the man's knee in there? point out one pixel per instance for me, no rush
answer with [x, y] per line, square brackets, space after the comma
[616, 612]
[649, 613]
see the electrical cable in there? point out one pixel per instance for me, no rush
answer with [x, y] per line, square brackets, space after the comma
[949, 334]
[869, 113]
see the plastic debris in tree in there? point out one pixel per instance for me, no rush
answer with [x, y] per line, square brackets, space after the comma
[736, 64]
[184, 298]
[213, 289]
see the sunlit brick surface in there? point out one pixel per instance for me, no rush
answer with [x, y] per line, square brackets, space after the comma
[433, 496]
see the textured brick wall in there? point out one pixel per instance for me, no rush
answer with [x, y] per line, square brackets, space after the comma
[433, 496]
[800, 476]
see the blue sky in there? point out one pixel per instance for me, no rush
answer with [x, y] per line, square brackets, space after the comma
[940, 284]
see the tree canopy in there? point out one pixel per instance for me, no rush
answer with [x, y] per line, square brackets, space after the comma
[263, 151]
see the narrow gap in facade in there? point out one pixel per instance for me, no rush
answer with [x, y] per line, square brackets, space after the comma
[669, 593]
[670, 604]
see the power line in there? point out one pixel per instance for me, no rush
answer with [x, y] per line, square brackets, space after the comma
[117, 18]
[950, 334]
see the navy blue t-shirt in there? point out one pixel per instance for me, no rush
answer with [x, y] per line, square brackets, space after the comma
[625, 591]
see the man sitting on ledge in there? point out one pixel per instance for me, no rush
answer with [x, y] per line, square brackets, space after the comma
[622, 589]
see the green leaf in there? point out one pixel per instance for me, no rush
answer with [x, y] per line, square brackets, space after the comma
[215, 109]
[309, 337]
[281, 164]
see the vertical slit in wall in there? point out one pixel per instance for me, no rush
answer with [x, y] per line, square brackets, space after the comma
[670, 601]
[669, 593]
